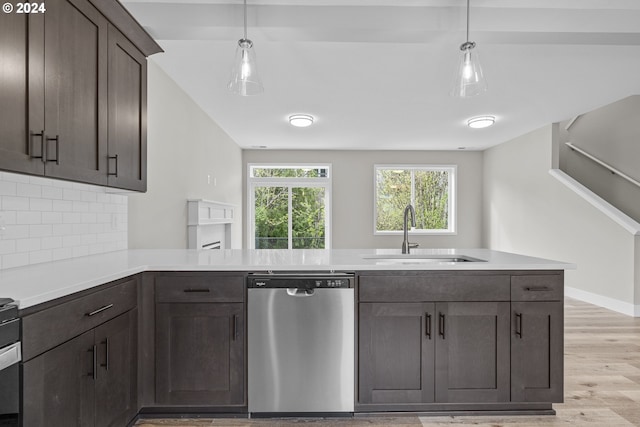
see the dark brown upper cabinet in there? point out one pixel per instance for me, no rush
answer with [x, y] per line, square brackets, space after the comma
[73, 93]
[21, 88]
[127, 114]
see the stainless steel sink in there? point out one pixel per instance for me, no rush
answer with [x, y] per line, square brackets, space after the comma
[419, 258]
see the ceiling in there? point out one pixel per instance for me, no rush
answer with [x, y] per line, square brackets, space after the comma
[376, 74]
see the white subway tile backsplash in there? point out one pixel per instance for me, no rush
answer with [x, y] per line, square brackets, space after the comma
[46, 220]
[7, 188]
[52, 217]
[80, 206]
[52, 242]
[61, 253]
[78, 229]
[62, 206]
[7, 246]
[14, 177]
[88, 218]
[29, 217]
[15, 260]
[42, 230]
[70, 194]
[29, 190]
[15, 232]
[28, 245]
[40, 204]
[61, 229]
[10, 203]
[53, 193]
[71, 218]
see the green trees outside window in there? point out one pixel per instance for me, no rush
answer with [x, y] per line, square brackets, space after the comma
[428, 189]
[289, 208]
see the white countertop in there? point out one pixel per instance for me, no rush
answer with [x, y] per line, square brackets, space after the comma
[44, 282]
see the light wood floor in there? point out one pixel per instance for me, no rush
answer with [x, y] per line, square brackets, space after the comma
[602, 383]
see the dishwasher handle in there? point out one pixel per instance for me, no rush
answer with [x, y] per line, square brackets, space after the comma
[296, 292]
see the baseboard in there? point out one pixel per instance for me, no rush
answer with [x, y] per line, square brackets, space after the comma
[602, 301]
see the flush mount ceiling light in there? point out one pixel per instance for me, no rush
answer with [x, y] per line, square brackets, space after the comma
[469, 80]
[481, 122]
[244, 74]
[301, 120]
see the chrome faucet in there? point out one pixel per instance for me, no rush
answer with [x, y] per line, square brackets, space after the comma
[406, 245]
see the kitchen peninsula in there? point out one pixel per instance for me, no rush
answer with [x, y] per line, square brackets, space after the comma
[164, 331]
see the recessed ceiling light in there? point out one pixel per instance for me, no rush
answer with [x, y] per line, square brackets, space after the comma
[301, 120]
[481, 122]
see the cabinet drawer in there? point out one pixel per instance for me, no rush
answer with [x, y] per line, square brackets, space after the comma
[434, 288]
[200, 288]
[50, 327]
[542, 287]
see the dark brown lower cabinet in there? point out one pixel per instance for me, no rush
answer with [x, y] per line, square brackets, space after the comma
[396, 353]
[89, 380]
[59, 385]
[472, 352]
[537, 352]
[445, 352]
[200, 354]
[116, 382]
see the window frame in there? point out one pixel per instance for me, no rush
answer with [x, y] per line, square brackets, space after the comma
[289, 182]
[453, 194]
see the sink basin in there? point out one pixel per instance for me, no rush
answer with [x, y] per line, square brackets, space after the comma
[419, 258]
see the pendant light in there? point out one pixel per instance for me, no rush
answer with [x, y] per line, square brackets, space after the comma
[469, 80]
[244, 74]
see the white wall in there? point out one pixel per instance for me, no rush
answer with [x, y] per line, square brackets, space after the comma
[352, 202]
[528, 211]
[43, 220]
[184, 146]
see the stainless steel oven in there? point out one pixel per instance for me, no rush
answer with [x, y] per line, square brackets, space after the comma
[10, 356]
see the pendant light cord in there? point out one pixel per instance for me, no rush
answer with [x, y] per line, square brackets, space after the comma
[467, 21]
[245, 21]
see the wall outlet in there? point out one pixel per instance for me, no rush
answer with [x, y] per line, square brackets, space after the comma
[209, 179]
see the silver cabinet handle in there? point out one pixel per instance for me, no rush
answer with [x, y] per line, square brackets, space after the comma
[10, 355]
[100, 310]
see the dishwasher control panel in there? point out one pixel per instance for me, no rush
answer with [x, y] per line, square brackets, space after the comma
[337, 281]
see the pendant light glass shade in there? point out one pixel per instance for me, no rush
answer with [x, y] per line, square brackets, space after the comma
[469, 79]
[244, 74]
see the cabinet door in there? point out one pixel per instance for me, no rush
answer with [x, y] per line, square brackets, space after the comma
[127, 114]
[472, 352]
[537, 352]
[58, 386]
[116, 382]
[200, 354]
[396, 353]
[75, 91]
[21, 92]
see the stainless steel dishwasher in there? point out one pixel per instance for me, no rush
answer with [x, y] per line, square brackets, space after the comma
[300, 344]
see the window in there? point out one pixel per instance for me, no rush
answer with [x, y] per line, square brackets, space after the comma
[431, 191]
[289, 206]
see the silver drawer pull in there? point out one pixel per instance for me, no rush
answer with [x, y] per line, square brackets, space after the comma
[10, 355]
[100, 310]
[537, 288]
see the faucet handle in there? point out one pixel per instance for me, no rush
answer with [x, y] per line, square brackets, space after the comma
[413, 245]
